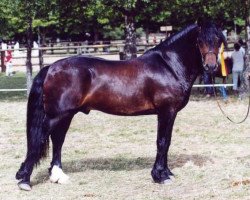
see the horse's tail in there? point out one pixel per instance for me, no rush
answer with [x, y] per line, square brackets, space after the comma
[37, 131]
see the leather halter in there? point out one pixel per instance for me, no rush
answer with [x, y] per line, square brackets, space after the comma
[203, 56]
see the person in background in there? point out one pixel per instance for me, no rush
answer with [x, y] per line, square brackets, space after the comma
[154, 40]
[8, 61]
[238, 65]
[241, 46]
[207, 78]
[224, 71]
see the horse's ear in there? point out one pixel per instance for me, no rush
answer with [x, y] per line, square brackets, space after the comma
[219, 24]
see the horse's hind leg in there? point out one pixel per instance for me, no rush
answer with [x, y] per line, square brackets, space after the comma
[57, 136]
[37, 143]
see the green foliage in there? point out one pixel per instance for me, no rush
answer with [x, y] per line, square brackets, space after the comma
[116, 33]
[77, 17]
[139, 32]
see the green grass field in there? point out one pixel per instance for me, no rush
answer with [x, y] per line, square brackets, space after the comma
[17, 81]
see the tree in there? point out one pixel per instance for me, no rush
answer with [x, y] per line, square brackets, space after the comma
[247, 28]
[129, 9]
[27, 19]
[152, 15]
[46, 18]
[72, 17]
[25, 16]
[79, 17]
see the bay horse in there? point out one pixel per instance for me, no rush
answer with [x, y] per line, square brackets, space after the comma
[158, 82]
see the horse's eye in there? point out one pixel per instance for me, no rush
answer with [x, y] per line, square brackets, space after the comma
[216, 40]
[200, 42]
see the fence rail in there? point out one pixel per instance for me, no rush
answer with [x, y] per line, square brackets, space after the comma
[42, 53]
[194, 86]
[41, 56]
[12, 90]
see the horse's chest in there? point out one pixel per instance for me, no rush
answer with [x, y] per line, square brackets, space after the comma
[171, 96]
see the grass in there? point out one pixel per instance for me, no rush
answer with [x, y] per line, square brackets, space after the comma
[17, 81]
[110, 157]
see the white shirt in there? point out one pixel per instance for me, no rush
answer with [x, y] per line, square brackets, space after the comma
[243, 50]
[238, 60]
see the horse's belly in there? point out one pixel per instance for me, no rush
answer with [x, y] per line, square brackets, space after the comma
[120, 105]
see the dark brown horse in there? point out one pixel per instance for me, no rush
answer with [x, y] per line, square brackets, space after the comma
[158, 82]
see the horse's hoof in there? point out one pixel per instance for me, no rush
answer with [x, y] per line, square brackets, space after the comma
[24, 186]
[167, 182]
[63, 179]
[58, 176]
[172, 177]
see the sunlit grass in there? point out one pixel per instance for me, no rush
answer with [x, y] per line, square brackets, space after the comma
[110, 157]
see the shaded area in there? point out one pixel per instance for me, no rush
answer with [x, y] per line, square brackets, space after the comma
[123, 164]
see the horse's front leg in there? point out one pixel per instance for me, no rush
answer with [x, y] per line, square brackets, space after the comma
[160, 171]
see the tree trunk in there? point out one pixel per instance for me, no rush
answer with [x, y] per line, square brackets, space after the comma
[96, 35]
[2, 61]
[28, 59]
[41, 44]
[147, 34]
[130, 40]
[246, 73]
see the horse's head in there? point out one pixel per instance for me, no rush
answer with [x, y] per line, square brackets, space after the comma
[209, 41]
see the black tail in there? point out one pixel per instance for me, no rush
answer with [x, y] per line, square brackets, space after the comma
[37, 132]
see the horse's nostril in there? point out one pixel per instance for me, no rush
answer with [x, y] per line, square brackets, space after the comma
[206, 67]
[212, 66]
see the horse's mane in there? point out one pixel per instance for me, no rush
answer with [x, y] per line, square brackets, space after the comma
[172, 39]
[179, 34]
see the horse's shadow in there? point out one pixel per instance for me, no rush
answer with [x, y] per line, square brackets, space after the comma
[123, 164]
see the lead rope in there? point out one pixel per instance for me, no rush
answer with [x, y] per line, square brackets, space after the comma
[216, 98]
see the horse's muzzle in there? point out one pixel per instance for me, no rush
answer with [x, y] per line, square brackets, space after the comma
[211, 68]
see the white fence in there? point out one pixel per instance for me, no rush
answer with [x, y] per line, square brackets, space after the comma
[194, 86]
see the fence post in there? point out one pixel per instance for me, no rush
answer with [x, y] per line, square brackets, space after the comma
[79, 51]
[3, 67]
[75, 49]
[68, 48]
[52, 50]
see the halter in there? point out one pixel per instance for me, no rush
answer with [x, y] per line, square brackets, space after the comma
[203, 56]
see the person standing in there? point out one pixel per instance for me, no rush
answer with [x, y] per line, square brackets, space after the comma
[207, 78]
[238, 65]
[8, 61]
[241, 46]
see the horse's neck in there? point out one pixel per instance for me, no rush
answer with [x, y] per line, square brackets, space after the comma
[188, 57]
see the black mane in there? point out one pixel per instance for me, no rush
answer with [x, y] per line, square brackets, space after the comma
[203, 32]
[174, 38]
[182, 33]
